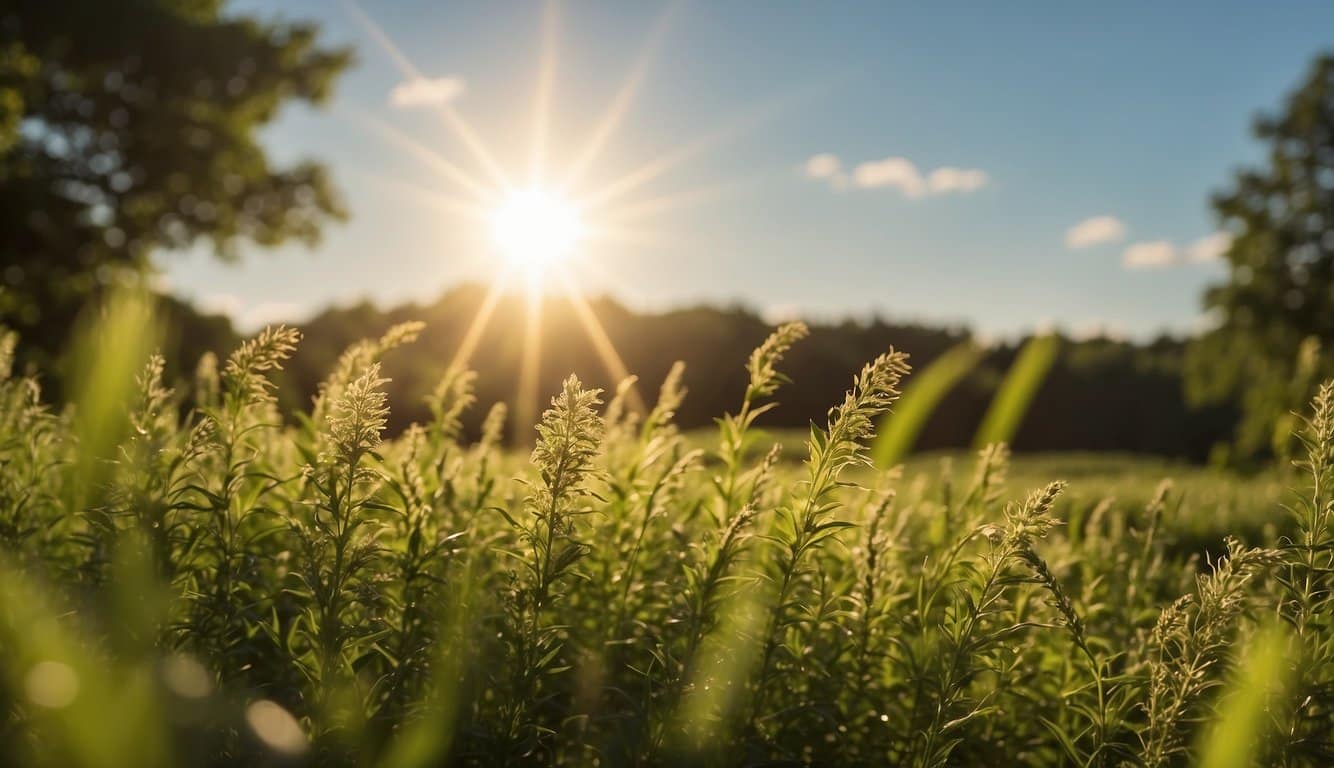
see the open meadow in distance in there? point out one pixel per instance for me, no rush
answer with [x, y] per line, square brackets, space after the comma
[665, 384]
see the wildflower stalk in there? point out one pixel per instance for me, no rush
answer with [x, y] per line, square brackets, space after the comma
[965, 637]
[236, 408]
[1190, 643]
[1306, 717]
[568, 438]
[338, 539]
[702, 600]
[806, 526]
[29, 457]
[764, 380]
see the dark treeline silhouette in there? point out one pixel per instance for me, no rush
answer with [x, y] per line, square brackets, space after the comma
[1101, 395]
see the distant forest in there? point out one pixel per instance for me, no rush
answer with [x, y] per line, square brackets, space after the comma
[1101, 394]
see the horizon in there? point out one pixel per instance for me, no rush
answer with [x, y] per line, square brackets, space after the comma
[925, 164]
[865, 319]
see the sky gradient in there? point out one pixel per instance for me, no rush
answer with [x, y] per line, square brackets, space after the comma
[1010, 166]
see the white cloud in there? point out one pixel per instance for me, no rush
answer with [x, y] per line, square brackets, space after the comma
[945, 180]
[902, 174]
[1095, 230]
[1209, 247]
[1154, 254]
[1158, 254]
[896, 172]
[426, 92]
[823, 166]
[827, 167]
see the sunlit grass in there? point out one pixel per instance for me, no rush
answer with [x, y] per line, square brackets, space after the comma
[234, 587]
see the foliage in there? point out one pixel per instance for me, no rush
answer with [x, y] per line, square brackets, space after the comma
[187, 579]
[1276, 298]
[130, 126]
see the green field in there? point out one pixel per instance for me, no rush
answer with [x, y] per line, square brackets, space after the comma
[244, 587]
[655, 384]
[1211, 503]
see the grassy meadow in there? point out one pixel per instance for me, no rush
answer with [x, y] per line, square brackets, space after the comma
[535, 473]
[191, 577]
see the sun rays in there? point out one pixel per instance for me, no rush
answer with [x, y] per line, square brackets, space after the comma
[542, 226]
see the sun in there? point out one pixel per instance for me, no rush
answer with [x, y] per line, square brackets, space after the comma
[535, 228]
[545, 225]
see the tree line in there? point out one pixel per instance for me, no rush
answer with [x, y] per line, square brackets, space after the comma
[1100, 394]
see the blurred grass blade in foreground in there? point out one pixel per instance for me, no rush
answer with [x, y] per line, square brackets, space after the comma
[111, 345]
[1234, 737]
[1016, 393]
[899, 430]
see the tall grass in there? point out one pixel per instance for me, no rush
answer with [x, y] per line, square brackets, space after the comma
[189, 576]
[898, 431]
[1021, 384]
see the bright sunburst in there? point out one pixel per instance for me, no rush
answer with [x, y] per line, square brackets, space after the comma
[535, 228]
[542, 230]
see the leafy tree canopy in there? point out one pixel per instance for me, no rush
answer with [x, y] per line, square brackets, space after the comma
[1277, 302]
[128, 126]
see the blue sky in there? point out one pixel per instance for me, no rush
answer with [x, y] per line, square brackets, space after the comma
[1042, 115]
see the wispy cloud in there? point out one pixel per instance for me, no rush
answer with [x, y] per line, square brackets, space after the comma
[426, 92]
[1155, 254]
[827, 167]
[892, 172]
[1209, 247]
[944, 180]
[1094, 231]
[1158, 254]
[823, 166]
[897, 173]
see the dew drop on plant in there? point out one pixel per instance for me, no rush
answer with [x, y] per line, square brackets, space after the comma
[51, 684]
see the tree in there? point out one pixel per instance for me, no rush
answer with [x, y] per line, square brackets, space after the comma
[129, 126]
[1277, 302]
